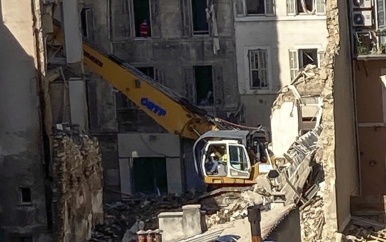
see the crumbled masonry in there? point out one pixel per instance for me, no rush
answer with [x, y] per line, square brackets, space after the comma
[78, 177]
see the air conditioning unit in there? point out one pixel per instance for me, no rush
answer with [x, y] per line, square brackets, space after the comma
[362, 18]
[361, 3]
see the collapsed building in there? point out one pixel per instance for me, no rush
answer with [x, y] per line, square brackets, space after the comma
[26, 130]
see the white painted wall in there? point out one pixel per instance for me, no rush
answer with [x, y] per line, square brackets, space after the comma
[285, 127]
[279, 34]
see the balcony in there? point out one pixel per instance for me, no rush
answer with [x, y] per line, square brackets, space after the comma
[370, 45]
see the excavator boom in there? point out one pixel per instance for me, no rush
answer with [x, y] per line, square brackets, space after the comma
[168, 109]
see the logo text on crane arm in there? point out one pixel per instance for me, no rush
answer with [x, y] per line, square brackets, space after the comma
[153, 107]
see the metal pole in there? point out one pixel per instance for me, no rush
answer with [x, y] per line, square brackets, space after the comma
[254, 218]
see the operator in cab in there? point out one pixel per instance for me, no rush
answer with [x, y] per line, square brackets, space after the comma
[218, 158]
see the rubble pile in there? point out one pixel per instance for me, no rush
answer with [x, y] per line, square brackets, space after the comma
[364, 233]
[124, 219]
[237, 209]
[307, 83]
[77, 184]
[312, 220]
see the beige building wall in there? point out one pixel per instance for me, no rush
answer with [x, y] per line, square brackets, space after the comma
[346, 155]
[371, 93]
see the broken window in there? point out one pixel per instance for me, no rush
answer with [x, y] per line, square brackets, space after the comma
[305, 7]
[200, 24]
[25, 195]
[301, 58]
[142, 18]
[259, 7]
[87, 23]
[150, 175]
[258, 68]
[308, 57]
[204, 85]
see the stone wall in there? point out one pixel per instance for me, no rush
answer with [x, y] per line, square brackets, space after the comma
[78, 179]
[327, 138]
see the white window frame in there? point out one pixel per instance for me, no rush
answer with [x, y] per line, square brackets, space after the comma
[247, 72]
[294, 64]
[319, 8]
[244, 9]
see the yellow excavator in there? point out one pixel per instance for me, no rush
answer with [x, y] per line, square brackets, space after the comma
[240, 148]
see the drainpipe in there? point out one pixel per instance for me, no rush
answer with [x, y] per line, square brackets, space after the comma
[254, 218]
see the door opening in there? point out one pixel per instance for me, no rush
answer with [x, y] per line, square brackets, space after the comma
[150, 175]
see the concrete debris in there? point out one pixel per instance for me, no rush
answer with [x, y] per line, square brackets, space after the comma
[124, 219]
[312, 220]
[78, 184]
[360, 233]
[307, 83]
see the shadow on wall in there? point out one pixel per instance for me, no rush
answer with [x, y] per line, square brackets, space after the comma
[22, 206]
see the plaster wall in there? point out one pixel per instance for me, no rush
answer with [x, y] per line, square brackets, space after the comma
[150, 145]
[346, 151]
[370, 94]
[278, 34]
[21, 160]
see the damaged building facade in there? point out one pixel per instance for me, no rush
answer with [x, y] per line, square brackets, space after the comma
[185, 45]
[368, 46]
[274, 40]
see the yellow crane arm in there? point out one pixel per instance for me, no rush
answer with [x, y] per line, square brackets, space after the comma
[168, 109]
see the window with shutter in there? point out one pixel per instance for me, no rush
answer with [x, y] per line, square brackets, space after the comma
[269, 7]
[381, 14]
[320, 6]
[320, 57]
[294, 63]
[239, 6]
[291, 7]
[258, 68]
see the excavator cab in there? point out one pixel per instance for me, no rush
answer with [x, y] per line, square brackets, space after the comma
[226, 158]
[221, 157]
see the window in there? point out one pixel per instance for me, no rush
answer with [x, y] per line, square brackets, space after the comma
[204, 85]
[238, 158]
[258, 68]
[25, 195]
[259, 7]
[254, 7]
[200, 24]
[302, 57]
[87, 23]
[295, 7]
[142, 18]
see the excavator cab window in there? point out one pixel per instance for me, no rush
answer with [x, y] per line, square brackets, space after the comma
[238, 158]
[216, 159]
[226, 159]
